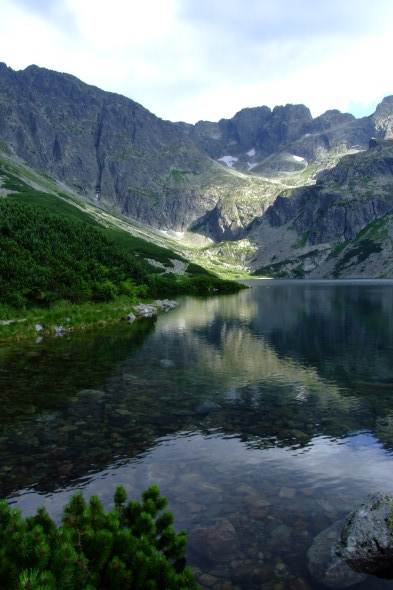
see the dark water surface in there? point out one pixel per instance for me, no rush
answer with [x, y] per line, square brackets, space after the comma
[264, 417]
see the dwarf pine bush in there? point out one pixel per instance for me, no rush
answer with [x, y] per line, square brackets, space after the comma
[132, 547]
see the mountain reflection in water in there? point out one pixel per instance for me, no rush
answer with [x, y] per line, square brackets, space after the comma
[270, 411]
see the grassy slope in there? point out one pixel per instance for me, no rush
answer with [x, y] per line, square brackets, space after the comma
[26, 186]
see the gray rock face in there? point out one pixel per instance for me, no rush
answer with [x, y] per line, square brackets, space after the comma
[366, 539]
[288, 128]
[338, 206]
[346, 552]
[341, 223]
[383, 118]
[90, 138]
[260, 128]
[326, 566]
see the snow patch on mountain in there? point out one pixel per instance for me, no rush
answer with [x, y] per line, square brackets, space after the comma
[228, 160]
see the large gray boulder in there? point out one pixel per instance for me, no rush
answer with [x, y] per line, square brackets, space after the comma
[343, 554]
[325, 564]
[366, 539]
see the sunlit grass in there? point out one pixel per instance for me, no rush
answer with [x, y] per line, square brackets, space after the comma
[37, 321]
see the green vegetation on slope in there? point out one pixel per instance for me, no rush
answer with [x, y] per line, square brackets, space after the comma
[143, 248]
[60, 204]
[45, 258]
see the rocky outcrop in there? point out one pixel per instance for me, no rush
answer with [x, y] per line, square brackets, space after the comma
[255, 134]
[143, 166]
[362, 544]
[346, 214]
[326, 566]
[148, 310]
[383, 118]
[342, 201]
[260, 128]
[366, 539]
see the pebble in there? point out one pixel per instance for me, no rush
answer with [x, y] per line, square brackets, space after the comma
[167, 363]
[287, 493]
[207, 580]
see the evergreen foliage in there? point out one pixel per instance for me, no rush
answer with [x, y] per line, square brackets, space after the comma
[132, 547]
[45, 258]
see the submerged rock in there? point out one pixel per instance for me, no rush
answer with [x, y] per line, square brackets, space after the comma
[167, 363]
[91, 394]
[217, 541]
[206, 406]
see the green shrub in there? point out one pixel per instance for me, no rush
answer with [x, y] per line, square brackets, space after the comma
[45, 258]
[132, 547]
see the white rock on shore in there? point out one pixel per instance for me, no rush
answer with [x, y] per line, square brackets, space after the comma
[147, 310]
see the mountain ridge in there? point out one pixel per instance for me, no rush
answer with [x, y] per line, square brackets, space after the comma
[211, 181]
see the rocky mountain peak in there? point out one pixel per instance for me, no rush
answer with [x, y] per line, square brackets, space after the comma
[383, 118]
[331, 118]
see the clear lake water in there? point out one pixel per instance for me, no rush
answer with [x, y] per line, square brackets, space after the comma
[264, 417]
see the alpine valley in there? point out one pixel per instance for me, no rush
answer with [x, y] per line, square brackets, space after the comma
[268, 193]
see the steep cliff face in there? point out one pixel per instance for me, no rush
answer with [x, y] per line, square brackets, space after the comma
[257, 139]
[144, 167]
[91, 138]
[383, 118]
[324, 223]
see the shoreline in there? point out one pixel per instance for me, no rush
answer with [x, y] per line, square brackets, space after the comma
[70, 318]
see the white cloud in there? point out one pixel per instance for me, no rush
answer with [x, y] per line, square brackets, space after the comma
[187, 60]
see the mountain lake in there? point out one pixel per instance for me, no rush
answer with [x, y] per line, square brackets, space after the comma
[264, 417]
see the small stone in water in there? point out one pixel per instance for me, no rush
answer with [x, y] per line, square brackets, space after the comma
[167, 363]
[123, 412]
[287, 493]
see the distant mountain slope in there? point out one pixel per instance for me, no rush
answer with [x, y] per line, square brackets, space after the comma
[341, 226]
[251, 192]
[248, 140]
[25, 185]
[146, 168]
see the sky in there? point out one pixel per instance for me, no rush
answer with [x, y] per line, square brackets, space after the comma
[191, 60]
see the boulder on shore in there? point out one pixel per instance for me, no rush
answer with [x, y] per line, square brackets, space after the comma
[148, 310]
[366, 539]
[344, 553]
[325, 565]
